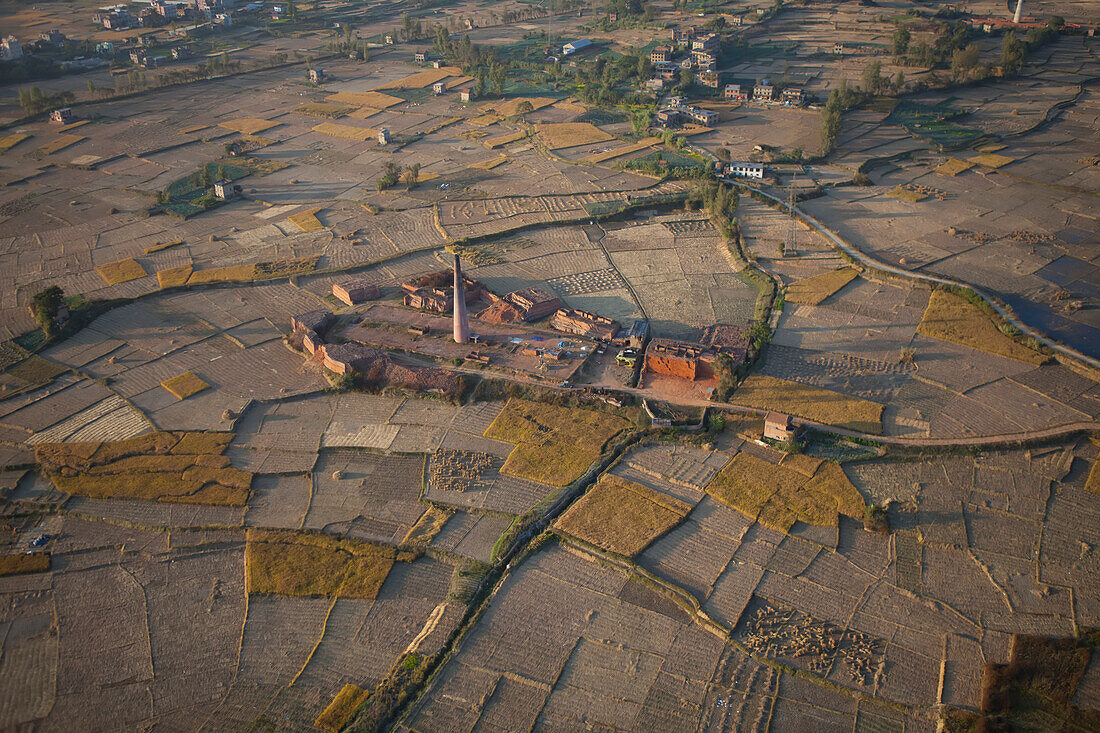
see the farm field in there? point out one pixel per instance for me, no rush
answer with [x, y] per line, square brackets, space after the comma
[251, 481]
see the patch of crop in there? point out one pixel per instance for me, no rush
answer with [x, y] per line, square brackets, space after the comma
[320, 109]
[953, 318]
[34, 562]
[621, 516]
[184, 385]
[121, 271]
[812, 403]
[162, 466]
[813, 290]
[569, 134]
[342, 707]
[305, 564]
[778, 497]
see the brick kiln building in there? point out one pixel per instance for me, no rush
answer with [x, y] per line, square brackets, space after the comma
[354, 292]
[533, 303]
[433, 292]
[678, 359]
[583, 323]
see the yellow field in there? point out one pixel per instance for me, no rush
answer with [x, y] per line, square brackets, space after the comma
[501, 140]
[162, 466]
[557, 135]
[813, 290]
[349, 132]
[364, 113]
[991, 148]
[570, 105]
[122, 271]
[10, 141]
[991, 160]
[953, 167]
[378, 100]
[73, 125]
[339, 711]
[60, 143]
[457, 81]
[292, 563]
[554, 444]
[222, 274]
[510, 107]
[159, 246]
[812, 403]
[184, 385]
[952, 318]
[487, 165]
[320, 109]
[307, 220]
[24, 562]
[624, 150]
[428, 526]
[778, 497]
[193, 128]
[904, 194]
[248, 125]
[174, 276]
[621, 516]
[422, 79]
[485, 120]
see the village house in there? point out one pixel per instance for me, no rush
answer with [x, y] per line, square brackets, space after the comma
[354, 292]
[660, 55]
[62, 116]
[711, 43]
[316, 76]
[778, 426]
[763, 92]
[791, 95]
[420, 57]
[10, 49]
[733, 92]
[683, 36]
[584, 324]
[383, 136]
[571, 48]
[708, 79]
[744, 170]
[703, 59]
[437, 88]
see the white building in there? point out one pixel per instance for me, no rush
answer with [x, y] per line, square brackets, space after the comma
[745, 170]
[10, 49]
[571, 48]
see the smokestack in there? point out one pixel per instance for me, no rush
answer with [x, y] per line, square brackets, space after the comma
[1019, 7]
[461, 323]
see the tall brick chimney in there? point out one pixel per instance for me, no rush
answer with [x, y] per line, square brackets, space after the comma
[461, 322]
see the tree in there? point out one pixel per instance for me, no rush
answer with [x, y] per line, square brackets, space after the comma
[91, 87]
[724, 154]
[412, 176]
[1013, 52]
[524, 107]
[204, 177]
[898, 85]
[900, 44]
[872, 80]
[641, 120]
[390, 173]
[497, 76]
[45, 305]
[963, 60]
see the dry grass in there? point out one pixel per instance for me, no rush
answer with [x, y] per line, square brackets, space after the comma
[162, 466]
[307, 220]
[905, 194]
[36, 370]
[320, 109]
[778, 497]
[953, 318]
[488, 165]
[558, 135]
[10, 141]
[812, 403]
[953, 167]
[619, 152]
[510, 107]
[59, 143]
[621, 516]
[485, 120]
[501, 140]
[377, 100]
[991, 160]
[231, 273]
[35, 562]
[248, 125]
[184, 385]
[121, 271]
[422, 79]
[813, 290]
[299, 564]
[174, 276]
[342, 707]
[428, 526]
[158, 247]
[348, 132]
[554, 444]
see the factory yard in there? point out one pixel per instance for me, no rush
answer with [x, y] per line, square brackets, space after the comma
[343, 389]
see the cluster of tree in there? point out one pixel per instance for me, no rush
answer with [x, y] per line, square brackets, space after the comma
[34, 100]
[45, 305]
[720, 202]
[600, 80]
[392, 173]
[840, 99]
[873, 82]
